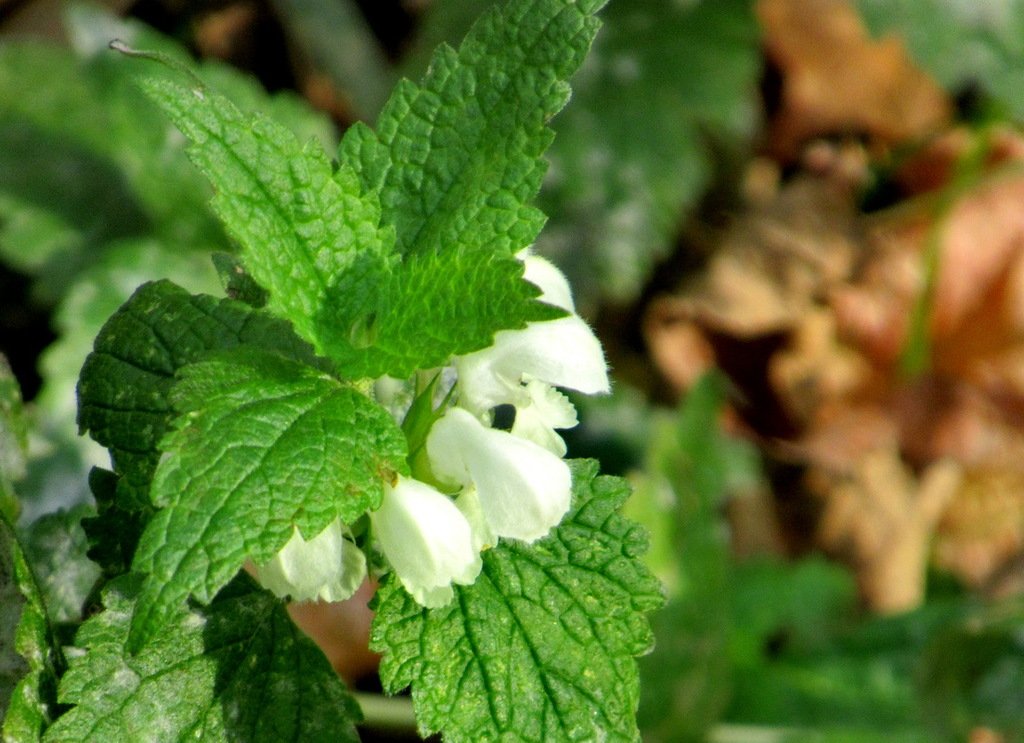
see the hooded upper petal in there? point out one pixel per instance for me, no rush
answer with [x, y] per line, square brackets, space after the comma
[523, 489]
[426, 539]
[554, 287]
[329, 567]
[563, 353]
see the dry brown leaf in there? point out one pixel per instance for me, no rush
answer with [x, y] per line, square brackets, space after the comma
[977, 306]
[983, 529]
[774, 265]
[835, 79]
[945, 417]
[221, 32]
[815, 370]
[675, 344]
[881, 518]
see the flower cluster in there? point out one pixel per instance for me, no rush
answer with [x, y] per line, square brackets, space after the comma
[487, 483]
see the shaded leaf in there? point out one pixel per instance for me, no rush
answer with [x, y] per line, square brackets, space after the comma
[28, 652]
[235, 670]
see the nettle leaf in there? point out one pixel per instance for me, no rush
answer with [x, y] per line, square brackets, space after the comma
[458, 158]
[238, 669]
[28, 652]
[269, 444]
[631, 153]
[96, 294]
[301, 221]
[113, 533]
[433, 306]
[542, 646]
[124, 387]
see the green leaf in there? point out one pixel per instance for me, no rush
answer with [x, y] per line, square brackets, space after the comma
[963, 45]
[113, 533]
[301, 222]
[87, 129]
[971, 673]
[96, 294]
[542, 646]
[315, 240]
[125, 383]
[55, 546]
[238, 669]
[431, 307]
[689, 464]
[267, 445]
[237, 282]
[28, 653]
[13, 439]
[458, 158]
[632, 154]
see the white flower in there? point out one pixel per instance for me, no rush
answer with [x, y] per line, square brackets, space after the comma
[541, 409]
[542, 273]
[426, 539]
[329, 567]
[523, 489]
[522, 366]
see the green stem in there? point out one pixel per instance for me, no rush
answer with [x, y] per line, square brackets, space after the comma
[386, 713]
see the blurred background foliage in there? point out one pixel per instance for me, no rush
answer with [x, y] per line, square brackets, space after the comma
[798, 228]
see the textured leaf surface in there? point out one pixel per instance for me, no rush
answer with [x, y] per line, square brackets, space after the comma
[630, 154]
[27, 651]
[459, 157]
[430, 307]
[238, 669]
[962, 44]
[267, 445]
[125, 384]
[300, 222]
[95, 296]
[542, 646]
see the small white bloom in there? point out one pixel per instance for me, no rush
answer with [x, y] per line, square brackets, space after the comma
[329, 567]
[426, 539]
[558, 353]
[523, 489]
[540, 410]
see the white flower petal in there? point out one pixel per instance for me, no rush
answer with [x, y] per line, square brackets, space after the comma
[329, 567]
[544, 410]
[469, 503]
[524, 490]
[563, 352]
[426, 539]
[553, 285]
